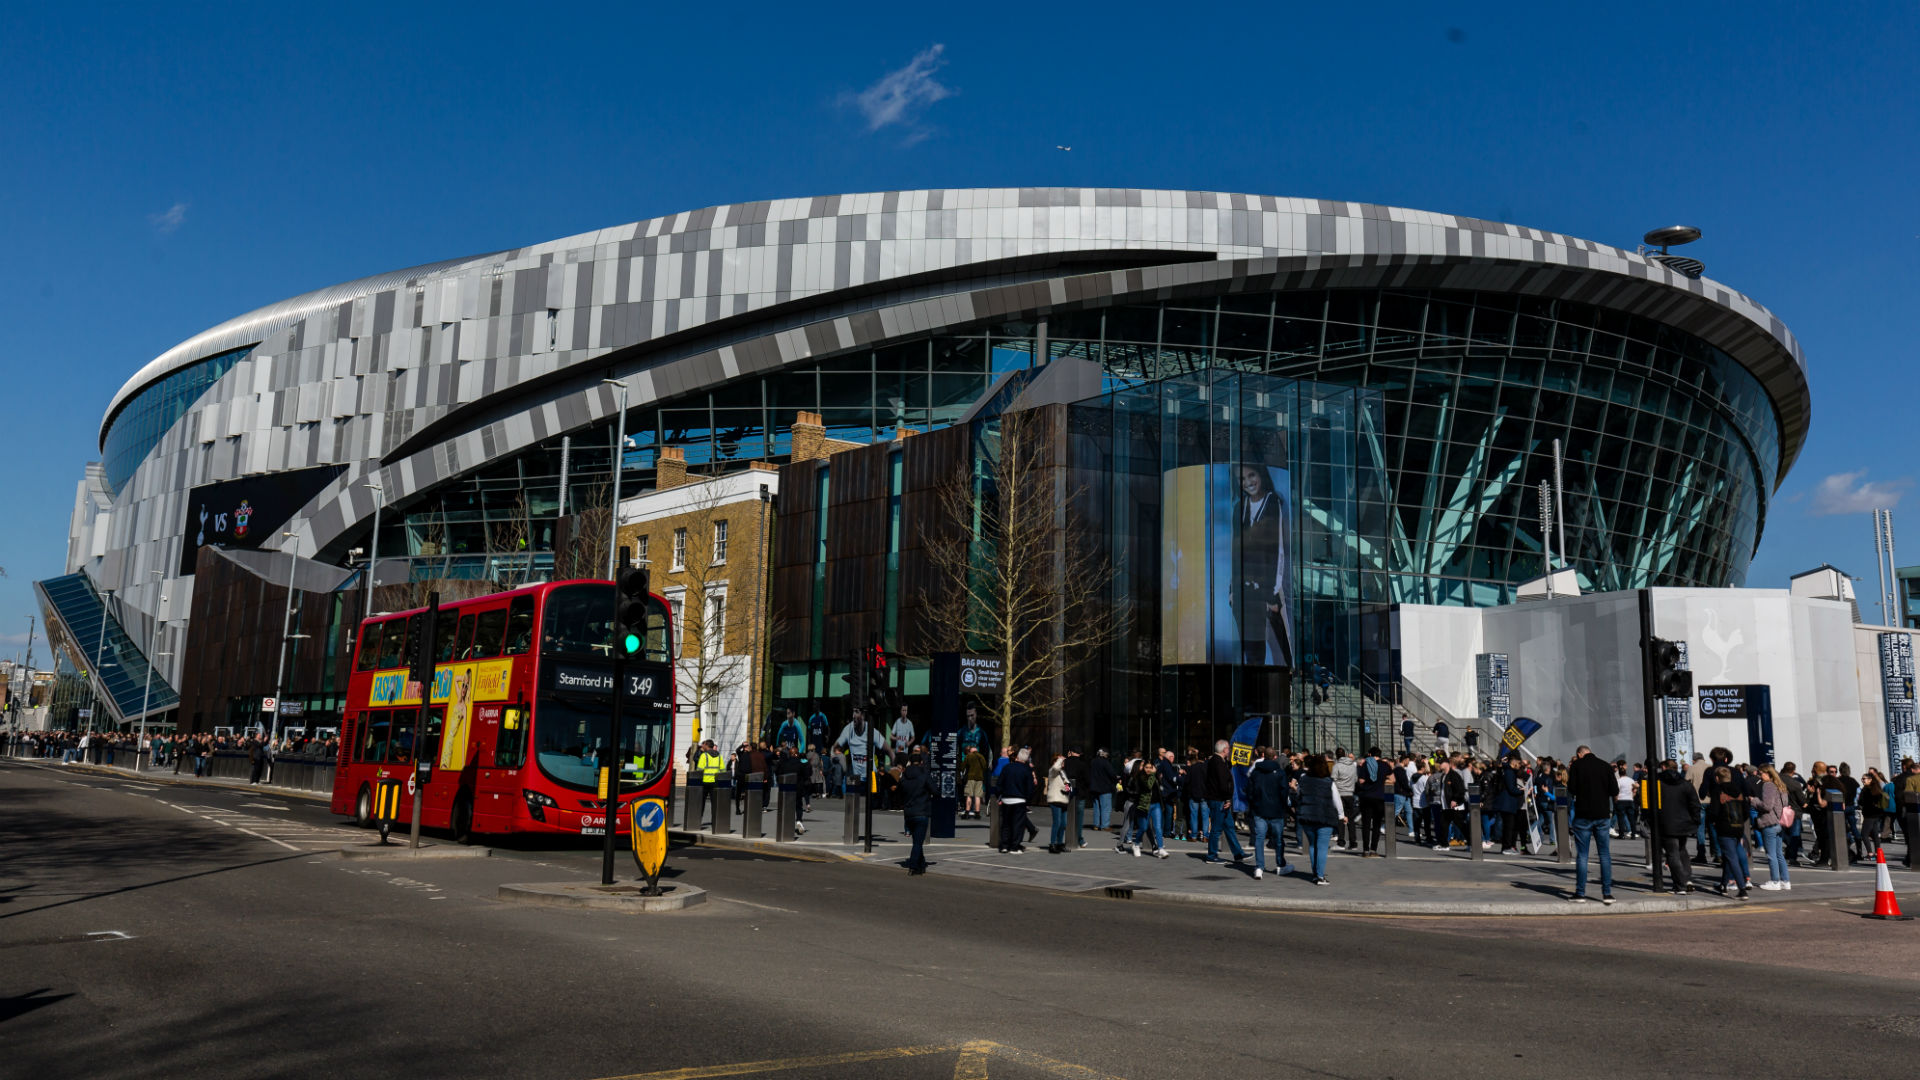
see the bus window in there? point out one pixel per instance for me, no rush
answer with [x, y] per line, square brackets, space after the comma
[400, 747]
[372, 744]
[579, 621]
[369, 656]
[659, 647]
[463, 645]
[443, 633]
[488, 628]
[430, 743]
[392, 642]
[510, 751]
[520, 626]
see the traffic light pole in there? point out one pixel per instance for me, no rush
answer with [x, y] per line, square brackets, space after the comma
[422, 769]
[1651, 705]
[612, 764]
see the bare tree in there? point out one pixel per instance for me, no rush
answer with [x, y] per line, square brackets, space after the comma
[582, 553]
[1012, 574]
[508, 542]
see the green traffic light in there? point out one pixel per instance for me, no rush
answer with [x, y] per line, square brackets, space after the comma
[632, 643]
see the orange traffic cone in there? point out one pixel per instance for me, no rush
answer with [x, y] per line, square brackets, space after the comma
[1885, 905]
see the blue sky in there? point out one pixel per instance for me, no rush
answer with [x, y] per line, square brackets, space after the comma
[167, 169]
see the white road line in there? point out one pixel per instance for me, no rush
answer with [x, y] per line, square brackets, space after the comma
[269, 839]
[762, 907]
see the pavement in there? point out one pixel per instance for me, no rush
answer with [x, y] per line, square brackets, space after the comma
[160, 932]
[1418, 881]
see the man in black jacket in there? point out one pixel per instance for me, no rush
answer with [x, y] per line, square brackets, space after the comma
[1592, 786]
[1076, 772]
[1679, 813]
[1099, 790]
[1016, 788]
[915, 785]
[1219, 789]
[1370, 788]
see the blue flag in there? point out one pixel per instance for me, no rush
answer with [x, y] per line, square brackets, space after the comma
[1518, 732]
[1245, 737]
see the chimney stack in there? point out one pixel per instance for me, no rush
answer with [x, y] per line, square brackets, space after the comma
[670, 468]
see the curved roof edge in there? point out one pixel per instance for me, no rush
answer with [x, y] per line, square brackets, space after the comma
[249, 329]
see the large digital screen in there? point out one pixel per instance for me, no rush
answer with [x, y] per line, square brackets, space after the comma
[248, 512]
[1226, 592]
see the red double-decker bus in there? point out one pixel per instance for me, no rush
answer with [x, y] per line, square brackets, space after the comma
[516, 727]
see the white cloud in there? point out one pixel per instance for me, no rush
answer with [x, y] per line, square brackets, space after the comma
[1848, 493]
[899, 95]
[18, 640]
[170, 219]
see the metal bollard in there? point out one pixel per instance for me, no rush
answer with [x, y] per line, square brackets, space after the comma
[1080, 823]
[756, 804]
[993, 823]
[722, 793]
[690, 807]
[851, 834]
[1837, 840]
[786, 812]
[1474, 828]
[1388, 840]
[1562, 828]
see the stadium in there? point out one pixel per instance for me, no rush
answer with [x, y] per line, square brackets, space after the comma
[470, 405]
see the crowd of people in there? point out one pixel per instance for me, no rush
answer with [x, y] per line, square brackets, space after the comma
[180, 752]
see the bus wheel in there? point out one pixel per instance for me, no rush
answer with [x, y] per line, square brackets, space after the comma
[363, 807]
[461, 821]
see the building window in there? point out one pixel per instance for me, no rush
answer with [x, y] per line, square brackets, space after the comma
[713, 634]
[719, 542]
[680, 549]
[640, 549]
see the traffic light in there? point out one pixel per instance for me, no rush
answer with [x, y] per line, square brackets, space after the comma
[857, 679]
[631, 587]
[1669, 678]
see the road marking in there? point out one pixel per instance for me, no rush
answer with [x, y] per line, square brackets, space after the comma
[762, 907]
[749, 1068]
[269, 839]
[149, 787]
[974, 1056]
[120, 935]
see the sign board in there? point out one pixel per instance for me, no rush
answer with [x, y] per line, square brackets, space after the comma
[982, 674]
[1676, 722]
[646, 683]
[245, 513]
[84, 714]
[1494, 685]
[1896, 682]
[268, 704]
[293, 708]
[649, 835]
[1723, 701]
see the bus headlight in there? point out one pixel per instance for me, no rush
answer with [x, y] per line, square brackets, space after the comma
[537, 803]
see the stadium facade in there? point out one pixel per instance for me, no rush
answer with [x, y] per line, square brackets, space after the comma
[470, 399]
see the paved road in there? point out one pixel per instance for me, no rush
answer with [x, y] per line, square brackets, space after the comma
[166, 930]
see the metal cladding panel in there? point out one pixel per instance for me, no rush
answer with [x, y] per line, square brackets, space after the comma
[783, 280]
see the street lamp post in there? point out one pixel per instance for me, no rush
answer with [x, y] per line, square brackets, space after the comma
[619, 456]
[373, 543]
[146, 695]
[279, 671]
[99, 651]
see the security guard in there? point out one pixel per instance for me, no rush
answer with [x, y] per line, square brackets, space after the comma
[708, 765]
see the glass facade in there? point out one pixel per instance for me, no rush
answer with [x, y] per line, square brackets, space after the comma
[147, 415]
[1671, 448]
[1135, 456]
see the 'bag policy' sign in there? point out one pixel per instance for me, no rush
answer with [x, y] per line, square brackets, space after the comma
[981, 674]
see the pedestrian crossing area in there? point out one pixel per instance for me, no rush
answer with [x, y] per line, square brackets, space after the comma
[267, 821]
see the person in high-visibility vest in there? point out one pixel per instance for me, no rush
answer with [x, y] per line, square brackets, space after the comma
[708, 765]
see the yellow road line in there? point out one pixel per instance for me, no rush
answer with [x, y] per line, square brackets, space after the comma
[748, 1068]
[973, 1062]
[1044, 1064]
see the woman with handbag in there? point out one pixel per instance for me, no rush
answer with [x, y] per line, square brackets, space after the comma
[1730, 811]
[1875, 807]
[1059, 794]
[1776, 817]
[1320, 812]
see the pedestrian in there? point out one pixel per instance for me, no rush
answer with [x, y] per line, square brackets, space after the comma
[1059, 794]
[1507, 798]
[1907, 798]
[1142, 823]
[1101, 783]
[1371, 782]
[256, 759]
[915, 785]
[1166, 794]
[1345, 774]
[1592, 784]
[1321, 812]
[1406, 734]
[1473, 741]
[1622, 800]
[973, 776]
[1442, 735]
[1193, 788]
[1219, 792]
[1016, 787]
[1679, 812]
[1267, 806]
[1776, 815]
[1729, 811]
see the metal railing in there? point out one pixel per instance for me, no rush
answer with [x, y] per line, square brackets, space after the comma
[297, 772]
